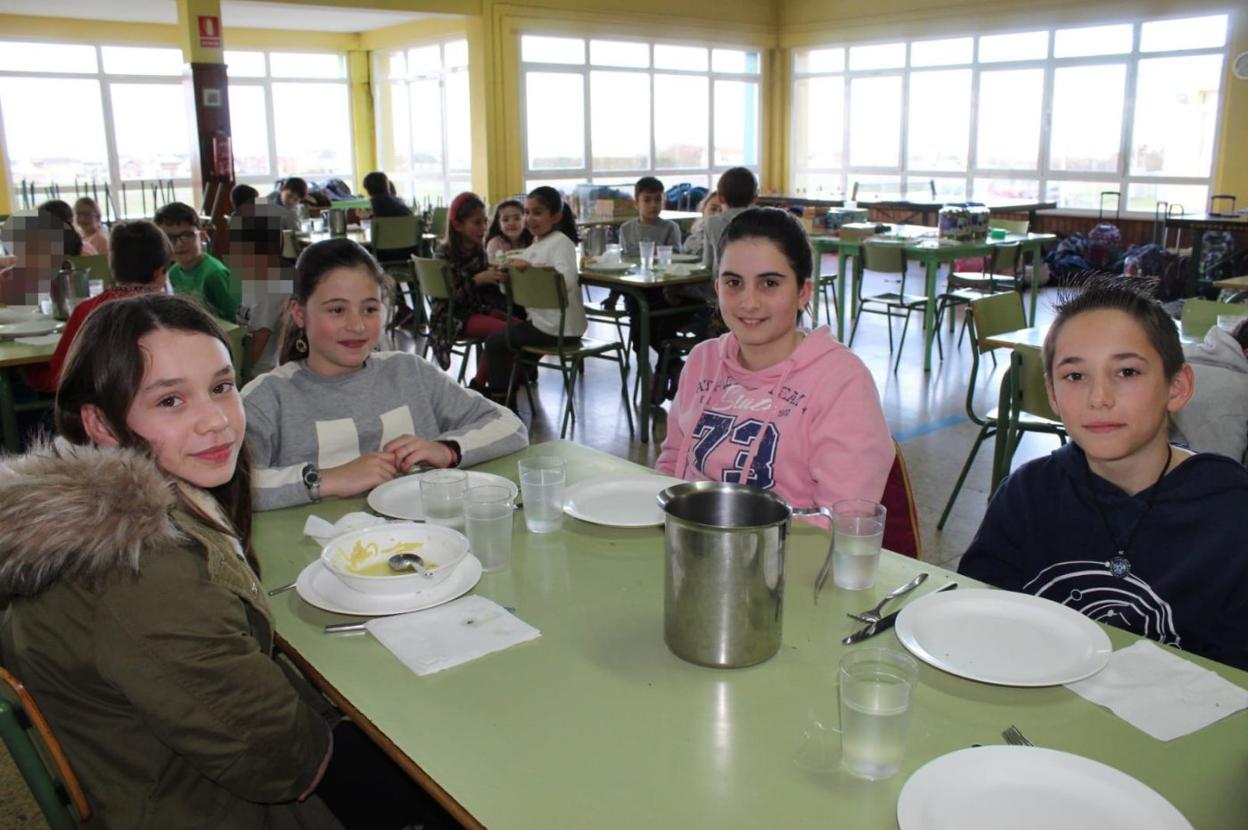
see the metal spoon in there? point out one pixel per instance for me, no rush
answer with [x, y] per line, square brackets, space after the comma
[407, 562]
[873, 615]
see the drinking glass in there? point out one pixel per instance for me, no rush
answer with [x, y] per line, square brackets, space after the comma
[646, 252]
[442, 495]
[542, 481]
[876, 688]
[487, 520]
[858, 530]
[665, 254]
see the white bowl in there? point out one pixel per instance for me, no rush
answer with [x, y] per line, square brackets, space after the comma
[441, 547]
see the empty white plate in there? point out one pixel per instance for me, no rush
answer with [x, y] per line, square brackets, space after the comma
[318, 586]
[1003, 637]
[1029, 788]
[400, 498]
[30, 328]
[619, 501]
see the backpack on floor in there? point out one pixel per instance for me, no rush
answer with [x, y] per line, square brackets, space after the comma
[1105, 240]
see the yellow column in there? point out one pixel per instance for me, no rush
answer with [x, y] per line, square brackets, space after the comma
[776, 119]
[363, 115]
[1231, 169]
[7, 204]
[198, 45]
[487, 123]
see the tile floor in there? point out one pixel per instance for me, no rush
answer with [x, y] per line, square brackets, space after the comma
[926, 411]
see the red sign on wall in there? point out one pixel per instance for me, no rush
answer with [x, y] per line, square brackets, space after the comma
[209, 32]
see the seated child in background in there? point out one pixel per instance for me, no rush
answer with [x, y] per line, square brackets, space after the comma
[138, 259]
[507, 230]
[194, 272]
[65, 215]
[769, 404]
[1118, 524]
[40, 245]
[1216, 418]
[648, 226]
[384, 202]
[336, 418]
[265, 280]
[696, 241]
[243, 194]
[737, 190]
[87, 217]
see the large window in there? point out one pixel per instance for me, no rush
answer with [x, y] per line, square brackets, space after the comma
[610, 111]
[424, 126]
[97, 120]
[1061, 114]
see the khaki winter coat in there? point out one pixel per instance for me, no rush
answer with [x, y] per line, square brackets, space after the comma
[146, 640]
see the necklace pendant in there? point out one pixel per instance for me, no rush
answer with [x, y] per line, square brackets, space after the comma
[1120, 566]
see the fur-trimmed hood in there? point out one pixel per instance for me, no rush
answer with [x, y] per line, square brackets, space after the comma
[79, 512]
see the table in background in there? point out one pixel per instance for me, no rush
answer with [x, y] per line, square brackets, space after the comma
[926, 209]
[1034, 336]
[671, 215]
[1199, 223]
[636, 285]
[12, 356]
[1237, 284]
[922, 246]
[596, 724]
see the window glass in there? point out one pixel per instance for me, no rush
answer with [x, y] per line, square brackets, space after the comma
[875, 121]
[425, 102]
[249, 130]
[819, 105]
[620, 120]
[820, 60]
[734, 60]
[878, 56]
[692, 58]
[131, 60]
[942, 52]
[151, 147]
[681, 116]
[736, 123]
[1009, 119]
[1079, 194]
[555, 120]
[19, 56]
[39, 152]
[948, 188]
[940, 120]
[395, 135]
[819, 185]
[537, 49]
[245, 64]
[306, 65]
[424, 59]
[458, 122]
[1006, 190]
[1092, 40]
[312, 124]
[455, 53]
[1193, 198]
[1176, 109]
[1087, 129]
[1188, 33]
[619, 53]
[1020, 46]
[876, 187]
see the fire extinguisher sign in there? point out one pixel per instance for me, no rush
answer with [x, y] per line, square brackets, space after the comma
[209, 32]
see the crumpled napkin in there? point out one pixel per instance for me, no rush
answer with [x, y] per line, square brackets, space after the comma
[680, 269]
[449, 635]
[1158, 692]
[41, 340]
[322, 531]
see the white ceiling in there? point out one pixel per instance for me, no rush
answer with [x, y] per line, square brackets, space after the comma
[237, 13]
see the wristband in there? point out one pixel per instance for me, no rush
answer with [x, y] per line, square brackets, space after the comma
[456, 455]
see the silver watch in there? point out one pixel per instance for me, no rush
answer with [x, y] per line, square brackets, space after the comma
[312, 480]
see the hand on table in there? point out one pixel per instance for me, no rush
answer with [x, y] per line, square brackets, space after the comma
[360, 475]
[408, 451]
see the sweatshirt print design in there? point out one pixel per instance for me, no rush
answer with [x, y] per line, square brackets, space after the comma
[739, 432]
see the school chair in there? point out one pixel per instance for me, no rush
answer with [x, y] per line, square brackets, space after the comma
[393, 240]
[986, 317]
[437, 222]
[39, 757]
[434, 278]
[888, 258]
[1025, 398]
[999, 273]
[544, 288]
[609, 315]
[901, 522]
[1201, 315]
[822, 283]
[97, 264]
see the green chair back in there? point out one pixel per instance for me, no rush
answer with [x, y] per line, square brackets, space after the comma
[434, 280]
[1031, 394]
[39, 757]
[1004, 259]
[884, 257]
[98, 263]
[392, 233]
[1201, 315]
[993, 315]
[541, 288]
[437, 222]
[1018, 226]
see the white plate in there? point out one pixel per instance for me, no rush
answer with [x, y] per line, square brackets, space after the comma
[400, 498]
[20, 314]
[318, 586]
[610, 268]
[620, 501]
[1003, 637]
[686, 257]
[28, 329]
[1029, 788]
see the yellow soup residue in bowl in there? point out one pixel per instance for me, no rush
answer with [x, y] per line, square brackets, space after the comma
[363, 558]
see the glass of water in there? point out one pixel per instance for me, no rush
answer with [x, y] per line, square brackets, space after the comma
[665, 254]
[542, 480]
[442, 496]
[487, 522]
[646, 252]
[876, 689]
[858, 530]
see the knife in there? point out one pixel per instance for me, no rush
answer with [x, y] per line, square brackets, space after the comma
[886, 622]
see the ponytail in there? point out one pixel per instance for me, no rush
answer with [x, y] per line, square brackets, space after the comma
[552, 200]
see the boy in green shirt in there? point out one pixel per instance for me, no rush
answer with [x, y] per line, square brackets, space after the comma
[194, 272]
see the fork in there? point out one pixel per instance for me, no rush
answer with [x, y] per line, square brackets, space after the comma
[872, 616]
[1015, 738]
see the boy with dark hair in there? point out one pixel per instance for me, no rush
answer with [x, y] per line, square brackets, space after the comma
[377, 186]
[243, 194]
[266, 281]
[195, 272]
[648, 226]
[294, 191]
[737, 189]
[138, 258]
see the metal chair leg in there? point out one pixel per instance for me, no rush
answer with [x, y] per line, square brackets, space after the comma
[984, 432]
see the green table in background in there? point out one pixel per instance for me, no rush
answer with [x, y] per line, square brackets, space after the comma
[596, 724]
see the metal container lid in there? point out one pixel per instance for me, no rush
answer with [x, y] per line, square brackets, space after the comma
[723, 506]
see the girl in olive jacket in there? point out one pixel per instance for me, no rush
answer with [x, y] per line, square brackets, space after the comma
[136, 619]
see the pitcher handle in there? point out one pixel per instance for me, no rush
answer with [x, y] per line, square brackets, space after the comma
[822, 576]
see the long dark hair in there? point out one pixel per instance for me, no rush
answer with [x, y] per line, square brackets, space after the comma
[496, 224]
[552, 200]
[105, 369]
[779, 227]
[63, 213]
[313, 264]
[462, 206]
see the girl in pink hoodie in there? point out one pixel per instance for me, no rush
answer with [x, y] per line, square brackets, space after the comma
[794, 408]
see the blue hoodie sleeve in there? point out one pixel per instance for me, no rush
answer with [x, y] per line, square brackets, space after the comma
[996, 553]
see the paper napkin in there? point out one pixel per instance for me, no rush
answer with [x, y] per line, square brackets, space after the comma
[41, 340]
[452, 634]
[1158, 692]
[322, 531]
